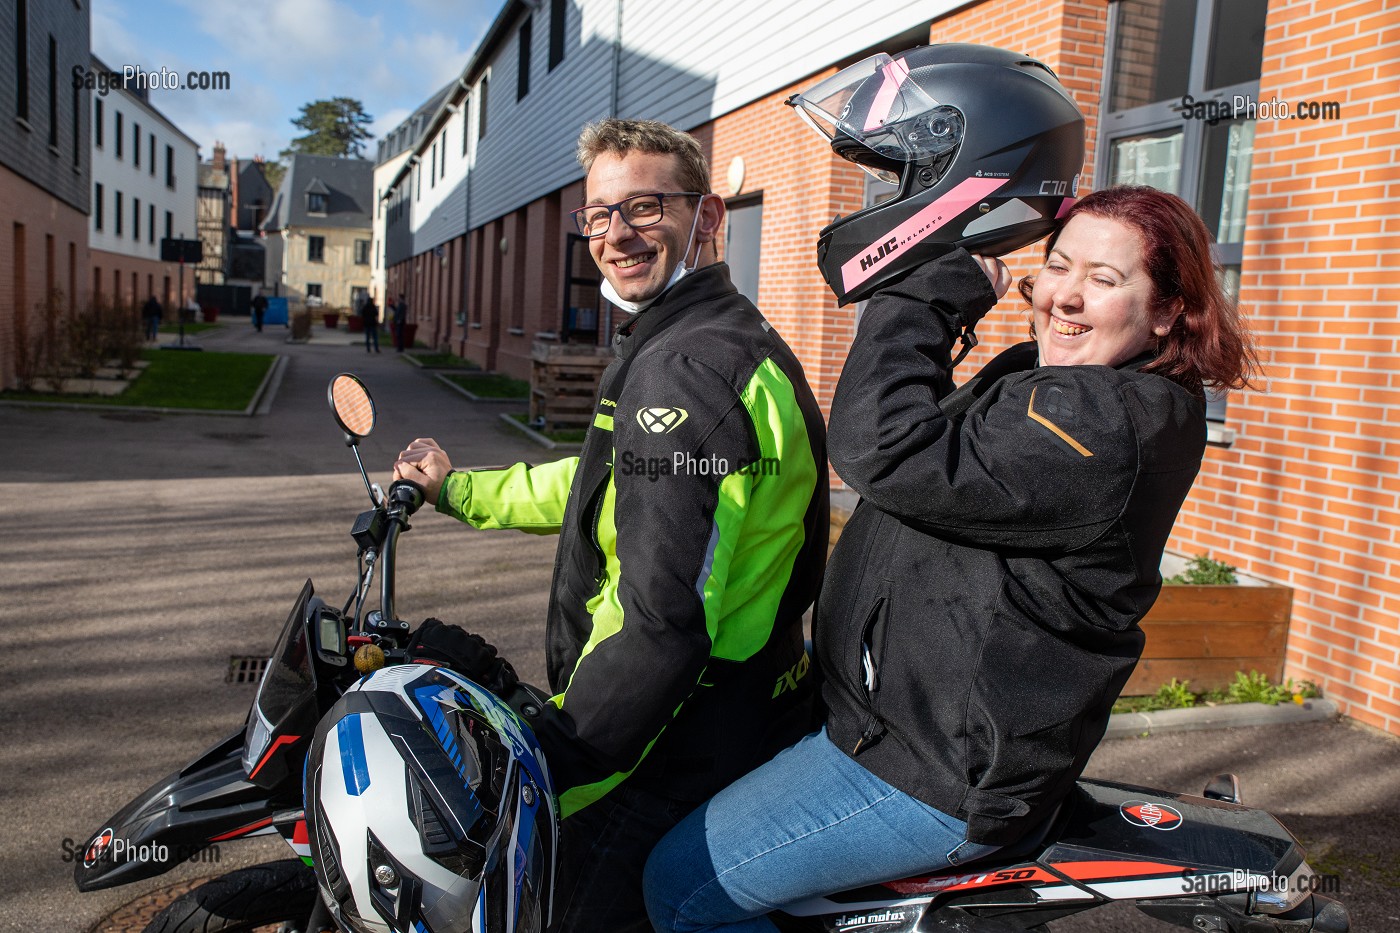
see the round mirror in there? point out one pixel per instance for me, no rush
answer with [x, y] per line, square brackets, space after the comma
[354, 409]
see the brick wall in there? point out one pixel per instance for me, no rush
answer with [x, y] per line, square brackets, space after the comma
[803, 185]
[1308, 493]
[22, 289]
[112, 273]
[1069, 37]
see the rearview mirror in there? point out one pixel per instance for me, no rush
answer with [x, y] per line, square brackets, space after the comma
[354, 409]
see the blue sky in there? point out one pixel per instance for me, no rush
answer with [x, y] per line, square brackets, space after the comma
[284, 53]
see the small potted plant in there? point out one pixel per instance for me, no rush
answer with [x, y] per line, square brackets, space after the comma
[332, 318]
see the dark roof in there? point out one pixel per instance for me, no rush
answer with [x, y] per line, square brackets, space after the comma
[407, 133]
[349, 184]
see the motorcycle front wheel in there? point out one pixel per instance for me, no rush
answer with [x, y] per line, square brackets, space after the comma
[243, 900]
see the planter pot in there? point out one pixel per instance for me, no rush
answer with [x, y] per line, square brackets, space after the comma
[301, 326]
[332, 320]
[410, 333]
[1205, 634]
[357, 324]
[211, 315]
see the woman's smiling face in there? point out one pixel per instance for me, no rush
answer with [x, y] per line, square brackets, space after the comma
[1093, 302]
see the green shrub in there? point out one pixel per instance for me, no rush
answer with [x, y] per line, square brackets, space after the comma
[1175, 695]
[1202, 571]
[1254, 687]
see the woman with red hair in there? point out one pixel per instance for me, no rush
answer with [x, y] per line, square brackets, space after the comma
[980, 612]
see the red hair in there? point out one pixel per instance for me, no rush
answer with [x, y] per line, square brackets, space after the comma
[1208, 343]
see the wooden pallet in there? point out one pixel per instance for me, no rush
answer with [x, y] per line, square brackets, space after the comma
[564, 383]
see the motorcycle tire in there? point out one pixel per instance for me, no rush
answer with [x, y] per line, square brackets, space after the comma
[243, 900]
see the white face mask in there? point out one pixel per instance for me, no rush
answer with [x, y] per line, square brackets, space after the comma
[680, 272]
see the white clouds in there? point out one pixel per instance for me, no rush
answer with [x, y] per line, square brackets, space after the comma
[247, 120]
[387, 120]
[281, 55]
[112, 41]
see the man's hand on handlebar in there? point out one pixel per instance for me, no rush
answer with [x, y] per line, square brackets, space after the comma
[426, 464]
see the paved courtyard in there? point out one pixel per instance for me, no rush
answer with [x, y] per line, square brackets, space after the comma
[147, 550]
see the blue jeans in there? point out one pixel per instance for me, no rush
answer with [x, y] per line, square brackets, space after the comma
[810, 822]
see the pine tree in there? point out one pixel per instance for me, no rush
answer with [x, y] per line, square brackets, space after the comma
[334, 127]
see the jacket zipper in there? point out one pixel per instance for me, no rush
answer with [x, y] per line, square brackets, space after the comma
[601, 577]
[870, 679]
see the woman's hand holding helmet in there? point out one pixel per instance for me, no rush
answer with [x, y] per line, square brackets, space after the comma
[997, 273]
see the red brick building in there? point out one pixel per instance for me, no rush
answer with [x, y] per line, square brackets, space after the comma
[45, 173]
[1300, 485]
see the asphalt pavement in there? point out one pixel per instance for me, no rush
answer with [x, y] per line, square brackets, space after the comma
[146, 551]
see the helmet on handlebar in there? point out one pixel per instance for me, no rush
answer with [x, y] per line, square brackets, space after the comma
[429, 808]
[985, 146]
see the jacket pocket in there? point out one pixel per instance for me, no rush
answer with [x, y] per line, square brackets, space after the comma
[872, 645]
[868, 669]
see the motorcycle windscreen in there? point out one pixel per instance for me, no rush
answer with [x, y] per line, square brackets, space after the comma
[284, 713]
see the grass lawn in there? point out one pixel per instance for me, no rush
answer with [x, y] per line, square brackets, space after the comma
[189, 328]
[493, 386]
[562, 436]
[443, 361]
[202, 380]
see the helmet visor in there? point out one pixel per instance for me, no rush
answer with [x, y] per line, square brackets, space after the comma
[876, 103]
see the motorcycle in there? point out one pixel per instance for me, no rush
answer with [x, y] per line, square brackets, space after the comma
[1205, 862]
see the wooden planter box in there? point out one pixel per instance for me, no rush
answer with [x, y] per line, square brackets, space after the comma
[1205, 634]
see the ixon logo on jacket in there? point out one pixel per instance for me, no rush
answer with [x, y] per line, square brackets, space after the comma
[661, 420]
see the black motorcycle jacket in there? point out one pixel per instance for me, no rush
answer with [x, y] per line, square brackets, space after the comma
[693, 531]
[980, 611]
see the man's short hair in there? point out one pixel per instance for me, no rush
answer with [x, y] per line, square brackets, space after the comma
[624, 136]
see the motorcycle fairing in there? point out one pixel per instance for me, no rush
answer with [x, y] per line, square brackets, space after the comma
[214, 799]
[207, 801]
[288, 702]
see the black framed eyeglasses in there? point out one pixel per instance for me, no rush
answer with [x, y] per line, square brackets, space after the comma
[640, 210]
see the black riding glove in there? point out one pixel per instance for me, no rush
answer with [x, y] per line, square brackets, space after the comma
[464, 652]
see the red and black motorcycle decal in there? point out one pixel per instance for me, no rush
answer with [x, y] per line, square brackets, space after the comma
[1151, 815]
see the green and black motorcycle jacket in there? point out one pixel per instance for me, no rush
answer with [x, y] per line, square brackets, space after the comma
[693, 535]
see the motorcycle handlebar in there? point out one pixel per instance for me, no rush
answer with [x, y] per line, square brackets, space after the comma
[405, 497]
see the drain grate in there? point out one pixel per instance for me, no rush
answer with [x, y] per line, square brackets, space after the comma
[245, 669]
[236, 437]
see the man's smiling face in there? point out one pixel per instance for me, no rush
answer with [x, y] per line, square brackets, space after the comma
[639, 261]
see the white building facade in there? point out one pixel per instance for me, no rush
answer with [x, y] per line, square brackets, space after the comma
[144, 189]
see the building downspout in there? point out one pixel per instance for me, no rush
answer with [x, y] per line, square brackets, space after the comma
[616, 62]
[466, 221]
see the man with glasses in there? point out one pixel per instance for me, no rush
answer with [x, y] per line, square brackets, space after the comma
[693, 530]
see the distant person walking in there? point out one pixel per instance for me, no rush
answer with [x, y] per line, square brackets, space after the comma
[369, 315]
[151, 314]
[400, 320]
[259, 311]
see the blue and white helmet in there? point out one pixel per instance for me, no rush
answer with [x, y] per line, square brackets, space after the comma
[430, 809]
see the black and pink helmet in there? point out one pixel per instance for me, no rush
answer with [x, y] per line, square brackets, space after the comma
[985, 146]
